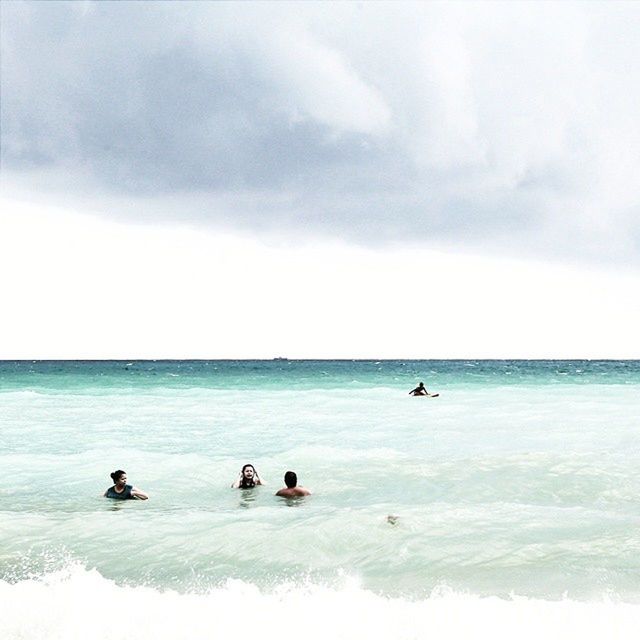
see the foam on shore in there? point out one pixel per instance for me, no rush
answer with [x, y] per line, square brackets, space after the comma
[76, 603]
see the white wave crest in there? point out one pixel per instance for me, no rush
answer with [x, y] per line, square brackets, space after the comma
[76, 603]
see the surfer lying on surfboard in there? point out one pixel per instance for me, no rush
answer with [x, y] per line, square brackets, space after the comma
[421, 391]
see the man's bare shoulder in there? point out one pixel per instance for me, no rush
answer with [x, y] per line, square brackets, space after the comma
[293, 492]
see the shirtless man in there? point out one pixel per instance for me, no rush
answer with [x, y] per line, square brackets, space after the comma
[292, 490]
[419, 391]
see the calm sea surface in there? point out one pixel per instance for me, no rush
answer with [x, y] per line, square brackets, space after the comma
[515, 496]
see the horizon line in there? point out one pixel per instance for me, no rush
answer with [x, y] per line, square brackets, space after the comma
[285, 359]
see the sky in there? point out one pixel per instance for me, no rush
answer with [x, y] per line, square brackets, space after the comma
[320, 180]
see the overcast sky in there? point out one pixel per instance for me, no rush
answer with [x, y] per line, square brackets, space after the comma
[320, 180]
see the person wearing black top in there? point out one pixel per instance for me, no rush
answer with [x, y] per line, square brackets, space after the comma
[123, 491]
[248, 478]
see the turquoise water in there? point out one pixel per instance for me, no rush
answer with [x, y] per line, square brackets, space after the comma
[308, 374]
[520, 481]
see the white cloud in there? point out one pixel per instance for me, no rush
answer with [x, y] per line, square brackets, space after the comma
[499, 127]
[317, 82]
[76, 286]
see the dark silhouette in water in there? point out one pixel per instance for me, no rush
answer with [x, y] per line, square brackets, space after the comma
[420, 390]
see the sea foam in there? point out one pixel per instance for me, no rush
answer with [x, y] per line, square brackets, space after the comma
[79, 603]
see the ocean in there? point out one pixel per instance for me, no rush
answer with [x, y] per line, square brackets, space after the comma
[514, 499]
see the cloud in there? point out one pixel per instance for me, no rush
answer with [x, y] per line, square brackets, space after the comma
[489, 126]
[89, 287]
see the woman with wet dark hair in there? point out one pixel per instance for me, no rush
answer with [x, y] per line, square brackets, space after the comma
[248, 478]
[123, 491]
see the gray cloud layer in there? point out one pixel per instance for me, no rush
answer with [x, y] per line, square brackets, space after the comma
[508, 127]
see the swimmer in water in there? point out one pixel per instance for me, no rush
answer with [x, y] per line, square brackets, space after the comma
[248, 478]
[292, 490]
[123, 491]
[419, 391]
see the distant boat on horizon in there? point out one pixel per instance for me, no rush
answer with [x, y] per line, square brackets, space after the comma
[280, 359]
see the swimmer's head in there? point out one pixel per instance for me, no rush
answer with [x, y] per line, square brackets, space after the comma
[421, 384]
[248, 477]
[290, 479]
[119, 476]
[248, 471]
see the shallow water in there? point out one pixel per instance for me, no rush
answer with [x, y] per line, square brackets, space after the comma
[520, 480]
